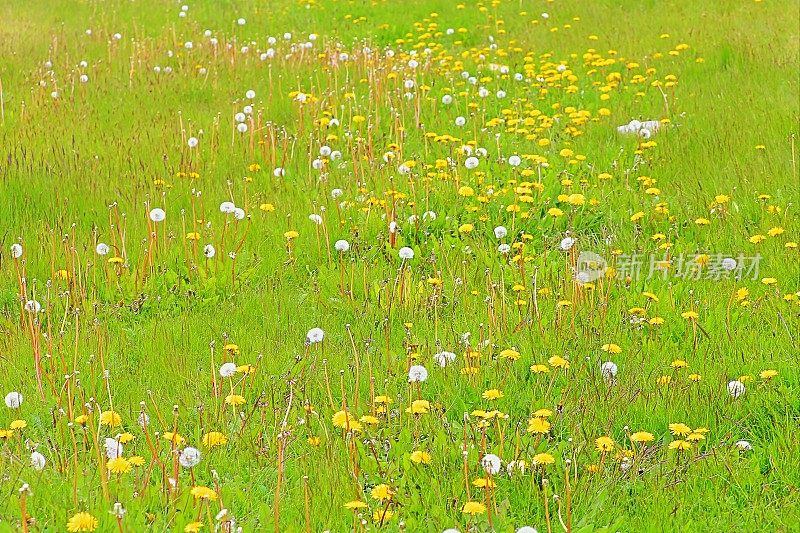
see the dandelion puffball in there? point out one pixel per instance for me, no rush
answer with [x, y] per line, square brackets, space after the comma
[279, 172]
[341, 246]
[471, 162]
[192, 142]
[526, 529]
[250, 94]
[504, 248]
[566, 243]
[227, 370]
[491, 463]
[444, 358]
[102, 248]
[460, 121]
[315, 335]
[238, 213]
[209, 251]
[514, 160]
[227, 207]
[16, 250]
[743, 446]
[736, 388]
[500, 232]
[13, 400]
[417, 374]
[157, 215]
[33, 306]
[113, 448]
[406, 253]
[38, 461]
[729, 263]
[447, 99]
[609, 370]
[189, 457]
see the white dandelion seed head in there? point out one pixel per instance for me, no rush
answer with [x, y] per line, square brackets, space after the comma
[341, 245]
[471, 162]
[743, 446]
[38, 461]
[239, 213]
[190, 457]
[444, 358]
[406, 253]
[417, 374]
[314, 336]
[227, 207]
[566, 244]
[609, 370]
[504, 248]
[491, 463]
[113, 448]
[315, 218]
[102, 248]
[279, 172]
[157, 215]
[192, 142]
[13, 400]
[500, 232]
[227, 370]
[736, 388]
[729, 263]
[209, 251]
[460, 121]
[16, 250]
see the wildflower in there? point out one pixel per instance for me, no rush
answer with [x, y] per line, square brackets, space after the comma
[510, 354]
[642, 436]
[82, 522]
[543, 459]
[539, 369]
[203, 493]
[679, 429]
[193, 527]
[355, 504]
[558, 362]
[314, 336]
[419, 407]
[604, 444]
[341, 246]
[680, 445]
[473, 508]
[118, 465]
[768, 374]
[420, 457]
[538, 425]
[16, 250]
[743, 446]
[611, 348]
[492, 394]
[382, 492]
[234, 399]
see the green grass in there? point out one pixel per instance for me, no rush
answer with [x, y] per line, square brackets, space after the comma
[87, 167]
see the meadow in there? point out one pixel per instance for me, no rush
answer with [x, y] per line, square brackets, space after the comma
[426, 266]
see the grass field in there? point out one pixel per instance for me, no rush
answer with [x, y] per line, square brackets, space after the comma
[354, 266]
